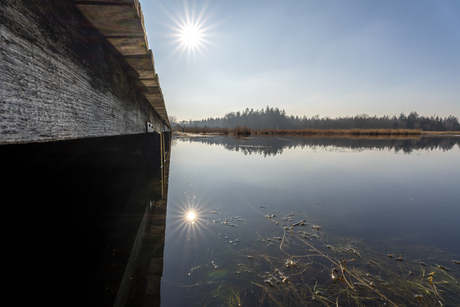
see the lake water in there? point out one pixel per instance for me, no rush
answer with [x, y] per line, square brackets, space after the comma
[293, 221]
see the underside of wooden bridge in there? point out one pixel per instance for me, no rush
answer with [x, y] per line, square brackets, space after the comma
[76, 69]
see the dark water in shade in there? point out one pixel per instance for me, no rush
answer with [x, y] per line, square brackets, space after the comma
[72, 212]
[362, 199]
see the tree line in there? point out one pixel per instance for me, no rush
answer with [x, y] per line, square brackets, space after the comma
[274, 118]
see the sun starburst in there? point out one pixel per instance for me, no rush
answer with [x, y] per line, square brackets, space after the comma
[190, 29]
[188, 220]
[191, 36]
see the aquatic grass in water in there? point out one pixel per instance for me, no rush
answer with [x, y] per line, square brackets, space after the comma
[300, 266]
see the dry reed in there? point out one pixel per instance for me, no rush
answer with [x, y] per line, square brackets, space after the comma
[434, 133]
[328, 132]
[225, 131]
[306, 132]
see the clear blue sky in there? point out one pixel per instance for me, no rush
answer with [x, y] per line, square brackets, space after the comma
[332, 58]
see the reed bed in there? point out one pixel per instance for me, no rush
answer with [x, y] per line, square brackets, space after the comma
[245, 131]
[339, 132]
[434, 133]
[225, 131]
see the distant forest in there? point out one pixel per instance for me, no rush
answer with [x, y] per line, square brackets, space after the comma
[273, 118]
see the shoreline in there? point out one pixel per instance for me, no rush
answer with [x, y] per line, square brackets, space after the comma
[352, 133]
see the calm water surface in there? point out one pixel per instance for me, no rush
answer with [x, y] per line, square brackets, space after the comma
[374, 222]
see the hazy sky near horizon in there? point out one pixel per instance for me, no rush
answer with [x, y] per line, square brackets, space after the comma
[328, 57]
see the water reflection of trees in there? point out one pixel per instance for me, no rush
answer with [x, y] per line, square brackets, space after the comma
[274, 145]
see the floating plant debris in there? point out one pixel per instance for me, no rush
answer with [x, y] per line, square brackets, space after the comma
[444, 268]
[299, 223]
[319, 270]
[290, 264]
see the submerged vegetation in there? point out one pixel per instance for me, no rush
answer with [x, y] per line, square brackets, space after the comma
[295, 263]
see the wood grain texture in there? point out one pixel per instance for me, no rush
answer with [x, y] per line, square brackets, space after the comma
[57, 80]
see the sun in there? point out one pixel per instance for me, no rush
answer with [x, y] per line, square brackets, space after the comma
[191, 36]
[191, 29]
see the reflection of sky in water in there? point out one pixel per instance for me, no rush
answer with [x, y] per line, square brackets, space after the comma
[382, 197]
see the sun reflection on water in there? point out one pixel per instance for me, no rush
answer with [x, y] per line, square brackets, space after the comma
[188, 221]
[191, 216]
